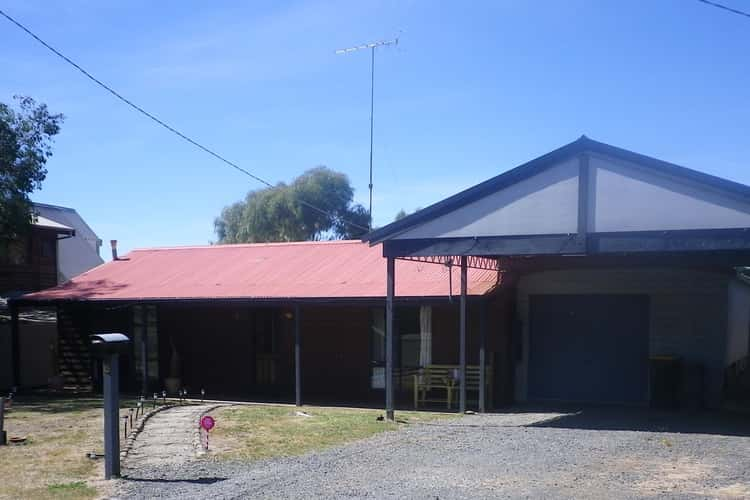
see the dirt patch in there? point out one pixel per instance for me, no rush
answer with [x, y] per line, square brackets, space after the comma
[682, 474]
[737, 490]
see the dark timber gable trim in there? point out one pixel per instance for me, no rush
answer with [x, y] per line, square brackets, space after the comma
[627, 242]
[583, 196]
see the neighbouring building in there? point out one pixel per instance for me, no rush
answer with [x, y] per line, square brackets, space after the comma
[59, 246]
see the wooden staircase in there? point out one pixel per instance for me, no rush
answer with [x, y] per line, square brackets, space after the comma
[74, 356]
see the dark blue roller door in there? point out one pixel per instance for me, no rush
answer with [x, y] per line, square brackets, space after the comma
[591, 348]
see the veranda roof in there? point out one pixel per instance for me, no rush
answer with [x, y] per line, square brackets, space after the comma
[270, 271]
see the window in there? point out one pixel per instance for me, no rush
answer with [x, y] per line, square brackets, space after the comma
[408, 325]
[377, 349]
[48, 248]
[145, 316]
[14, 252]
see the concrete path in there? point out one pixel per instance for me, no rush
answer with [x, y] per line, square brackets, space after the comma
[168, 438]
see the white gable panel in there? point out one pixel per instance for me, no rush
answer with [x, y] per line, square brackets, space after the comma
[631, 198]
[546, 203]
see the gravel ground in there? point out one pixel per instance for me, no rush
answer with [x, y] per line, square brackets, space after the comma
[589, 454]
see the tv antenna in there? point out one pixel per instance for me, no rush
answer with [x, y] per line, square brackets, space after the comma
[372, 46]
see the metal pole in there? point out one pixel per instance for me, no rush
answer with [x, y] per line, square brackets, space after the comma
[372, 46]
[144, 350]
[462, 349]
[297, 357]
[372, 122]
[15, 339]
[111, 417]
[3, 438]
[482, 349]
[390, 286]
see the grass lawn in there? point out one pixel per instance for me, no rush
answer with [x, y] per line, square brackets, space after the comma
[52, 463]
[254, 432]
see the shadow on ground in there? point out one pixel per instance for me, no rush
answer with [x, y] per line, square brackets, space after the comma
[645, 420]
[63, 403]
[199, 480]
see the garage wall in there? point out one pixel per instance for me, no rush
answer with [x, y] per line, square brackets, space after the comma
[688, 314]
[738, 333]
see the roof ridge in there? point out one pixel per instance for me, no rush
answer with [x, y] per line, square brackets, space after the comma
[250, 245]
[50, 205]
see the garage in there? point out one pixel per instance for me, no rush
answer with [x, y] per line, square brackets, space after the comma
[589, 348]
[625, 257]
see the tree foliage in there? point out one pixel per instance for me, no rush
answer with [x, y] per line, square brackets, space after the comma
[285, 212]
[26, 134]
[402, 213]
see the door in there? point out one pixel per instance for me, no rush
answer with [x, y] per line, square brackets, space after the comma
[589, 348]
[266, 348]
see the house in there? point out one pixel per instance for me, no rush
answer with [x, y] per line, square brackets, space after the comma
[619, 267]
[29, 263]
[590, 274]
[59, 246]
[232, 319]
[78, 253]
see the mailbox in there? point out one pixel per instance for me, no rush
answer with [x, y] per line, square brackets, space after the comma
[108, 347]
[107, 344]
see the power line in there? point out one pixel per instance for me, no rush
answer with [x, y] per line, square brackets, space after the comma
[724, 7]
[166, 125]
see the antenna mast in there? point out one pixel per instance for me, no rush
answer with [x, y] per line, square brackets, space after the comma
[372, 46]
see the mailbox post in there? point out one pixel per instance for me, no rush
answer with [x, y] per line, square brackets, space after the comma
[108, 347]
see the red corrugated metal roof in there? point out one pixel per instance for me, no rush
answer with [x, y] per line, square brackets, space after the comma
[300, 270]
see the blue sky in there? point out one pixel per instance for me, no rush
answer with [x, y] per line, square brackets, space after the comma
[472, 90]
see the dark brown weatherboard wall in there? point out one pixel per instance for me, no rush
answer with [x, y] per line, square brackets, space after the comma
[215, 346]
[221, 346]
[336, 352]
[37, 267]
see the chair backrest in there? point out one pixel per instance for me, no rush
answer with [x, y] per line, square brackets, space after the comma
[438, 373]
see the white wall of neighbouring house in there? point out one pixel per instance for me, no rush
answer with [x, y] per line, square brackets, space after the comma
[738, 319]
[687, 318]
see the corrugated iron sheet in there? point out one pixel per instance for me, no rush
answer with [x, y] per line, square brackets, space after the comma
[300, 270]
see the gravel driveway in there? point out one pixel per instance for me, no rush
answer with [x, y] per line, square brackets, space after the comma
[611, 453]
